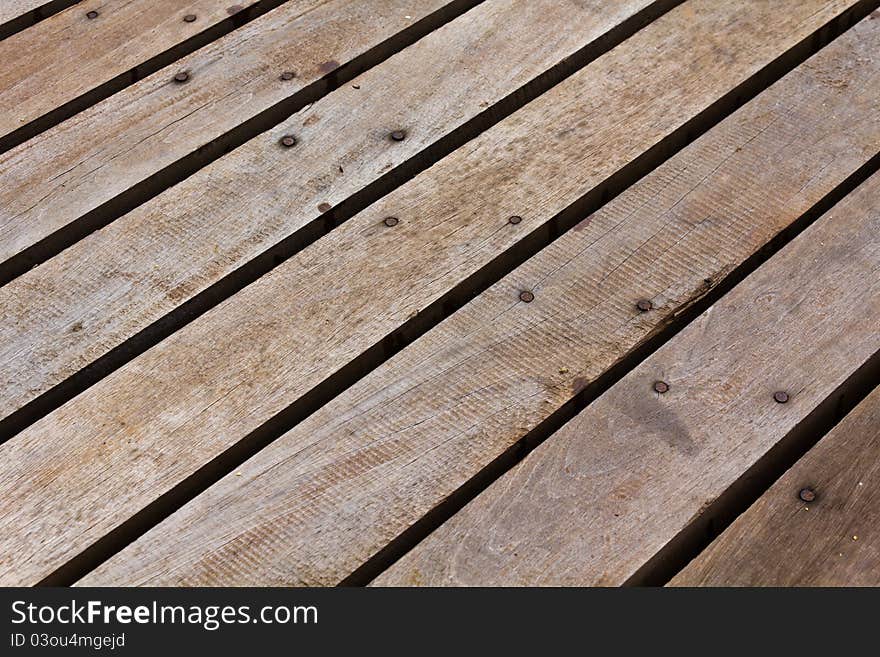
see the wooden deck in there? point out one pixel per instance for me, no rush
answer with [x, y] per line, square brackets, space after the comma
[419, 292]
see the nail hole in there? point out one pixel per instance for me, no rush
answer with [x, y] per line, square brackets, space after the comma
[807, 494]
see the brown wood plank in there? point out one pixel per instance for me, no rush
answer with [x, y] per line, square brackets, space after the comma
[167, 251]
[318, 502]
[90, 44]
[85, 165]
[816, 526]
[604, 494]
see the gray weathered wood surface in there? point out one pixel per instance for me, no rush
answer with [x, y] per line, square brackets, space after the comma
[604, 494]
[80, 471]
[63, 315]
[314, 505]
[92, 158]
[833, 540]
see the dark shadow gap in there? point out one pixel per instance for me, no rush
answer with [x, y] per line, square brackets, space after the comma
[114, 85]
[755, 481]
[252, 270]
[34, 16]
[234, 456]
[167, 177]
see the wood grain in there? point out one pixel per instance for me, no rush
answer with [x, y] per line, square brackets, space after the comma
[69, 54]
[60, 317]
[831, 541]
[617, 483]
[92, 158]
[318, 502]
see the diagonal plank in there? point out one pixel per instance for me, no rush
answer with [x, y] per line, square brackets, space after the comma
[89, 167]
[109, 42]
[621, 480]
[169, 250]
[831, 539]
[317, 503]
[83, 470]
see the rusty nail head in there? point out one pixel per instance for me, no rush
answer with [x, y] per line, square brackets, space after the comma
[807, 494]
[182, 76]
[515, 219]
[661, 387]
[92, 14]
[391, 221]
[644, 305]
[190, 18]
[288, 75]
[287, 141]
[398, 135]
[780, 396]
[526, 296]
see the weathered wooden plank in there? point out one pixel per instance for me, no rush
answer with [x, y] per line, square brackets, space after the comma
[89, 162]
[314, 505]
[85, 468]
[817, 526]
[91, 44]
[167, 251]
[617, 483]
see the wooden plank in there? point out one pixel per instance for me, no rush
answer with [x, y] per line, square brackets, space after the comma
[314, 505]
[77, 50]
[831, 540]
[167, 251]
[604, 494]
[90, 161]
[87, 467]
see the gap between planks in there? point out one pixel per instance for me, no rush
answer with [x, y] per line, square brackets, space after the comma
[65, 100]
[30, 13]
[787, 539]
